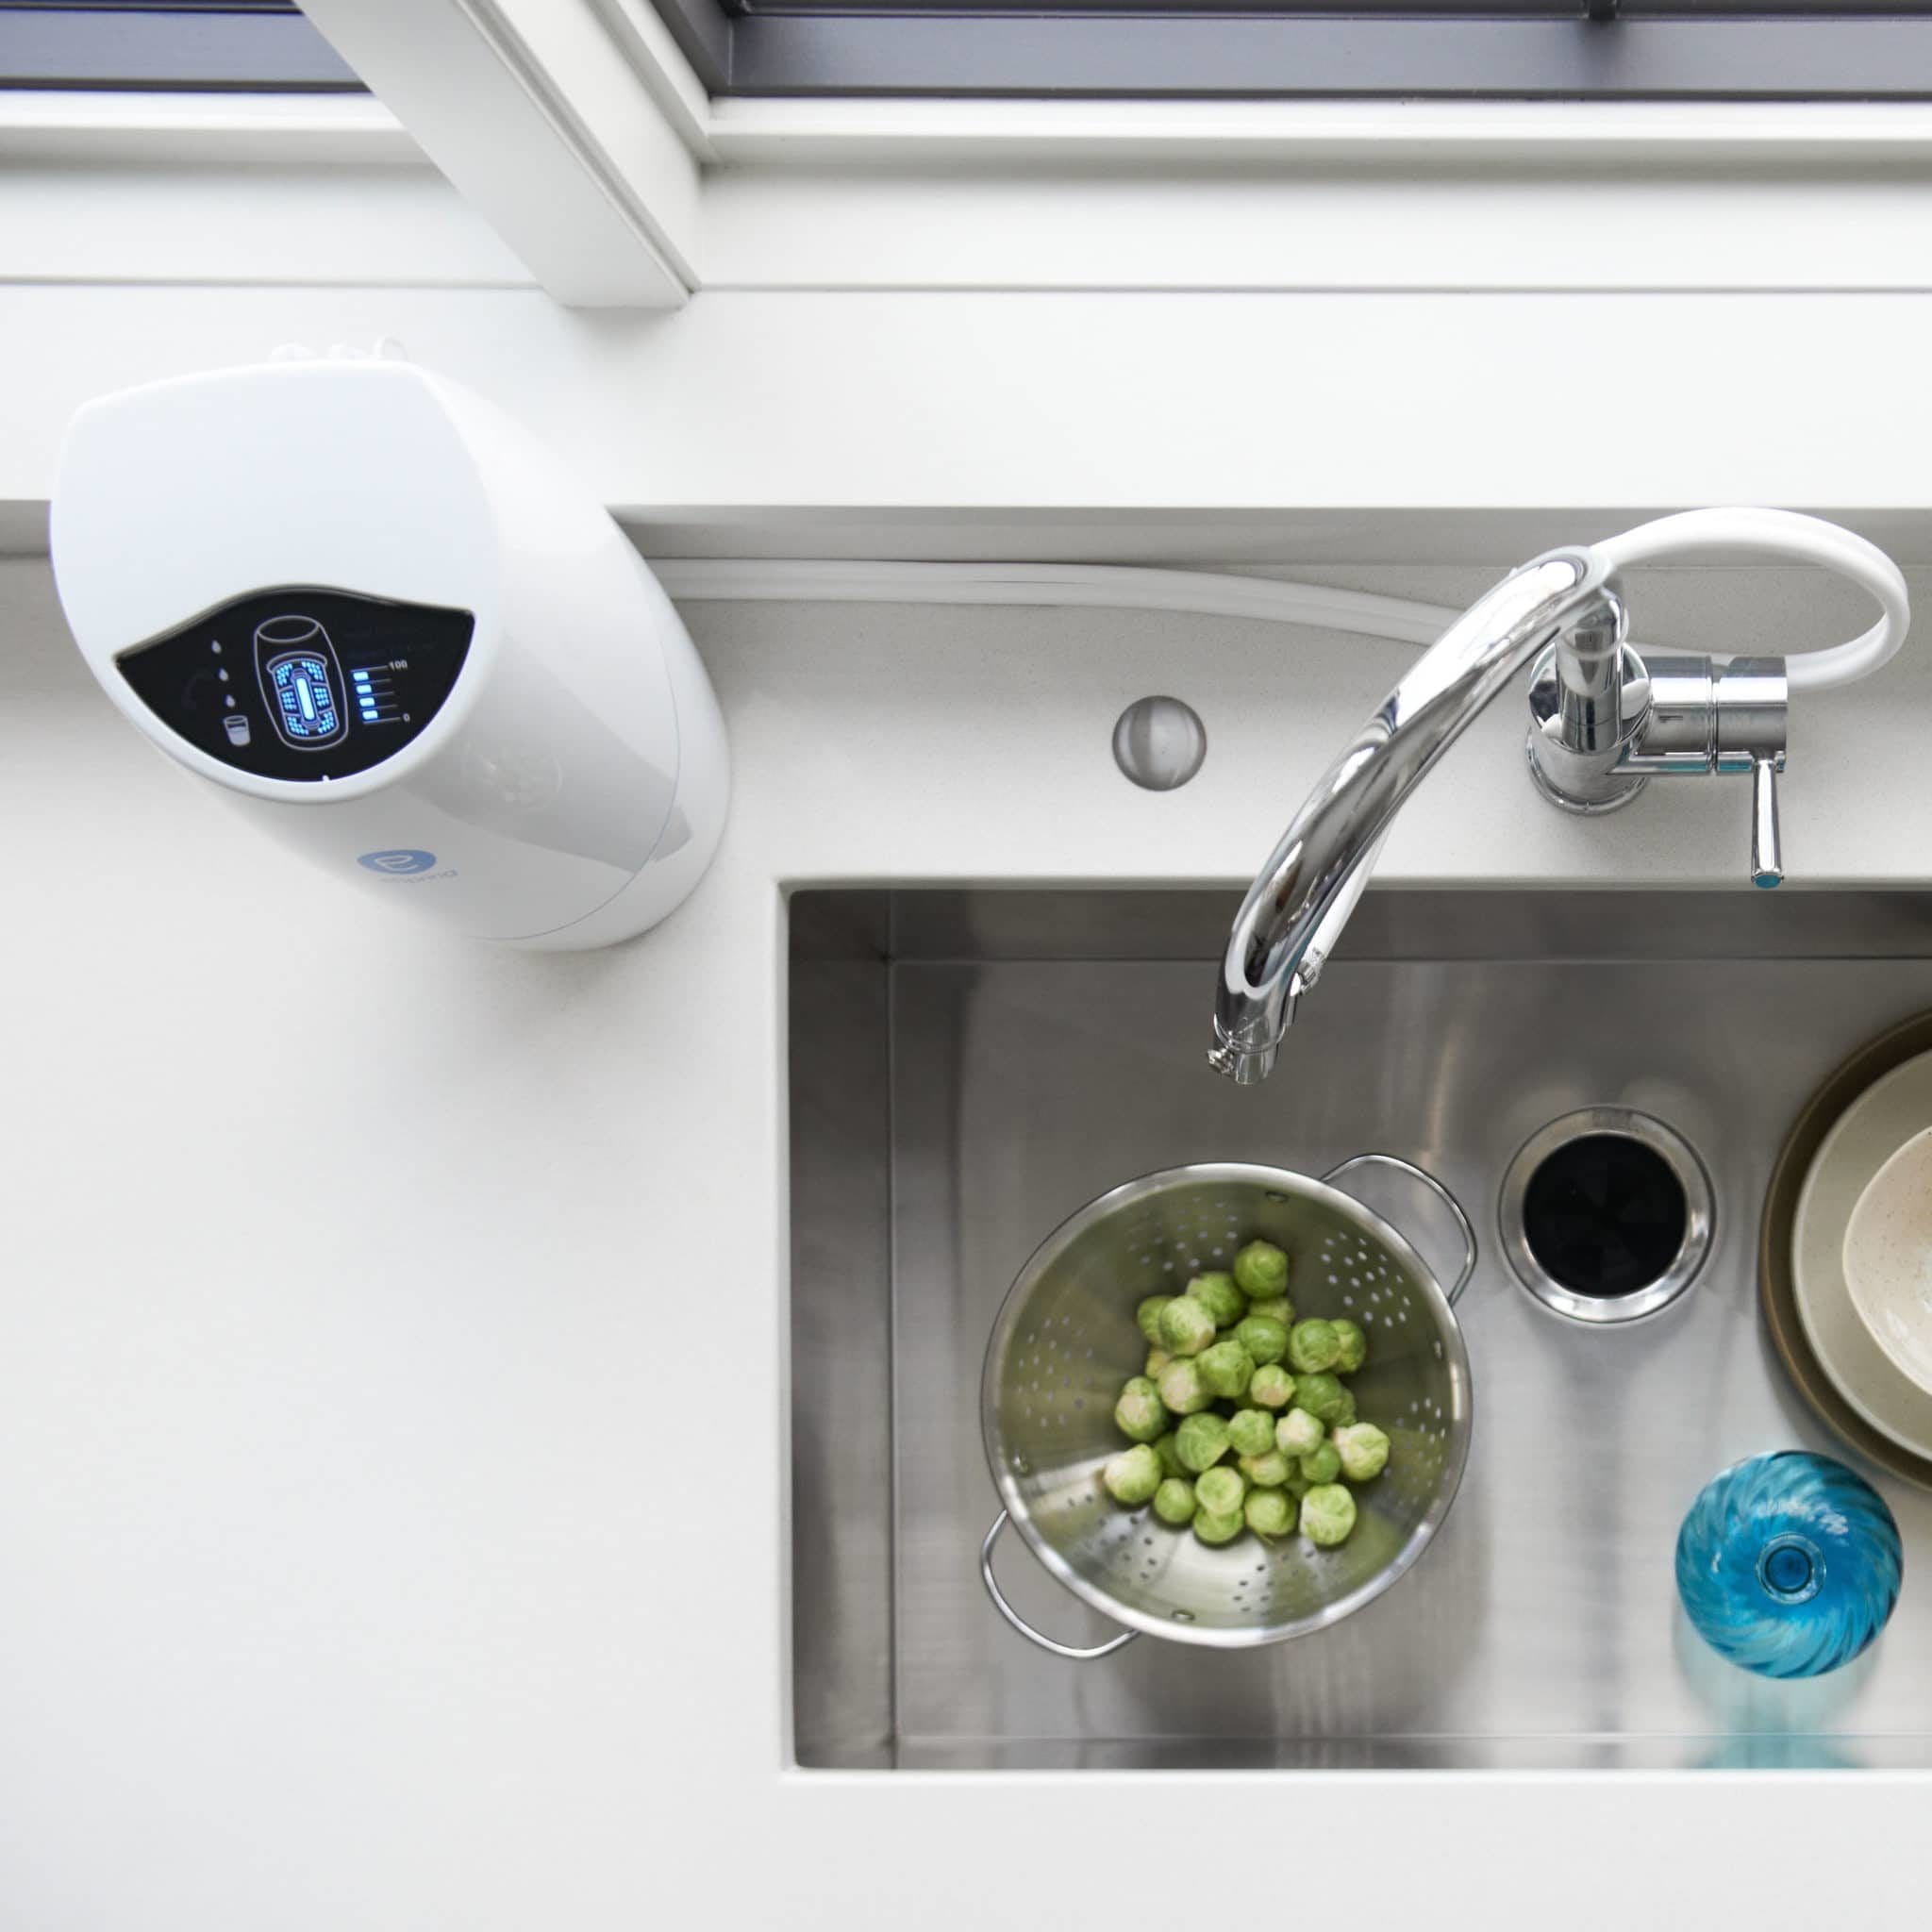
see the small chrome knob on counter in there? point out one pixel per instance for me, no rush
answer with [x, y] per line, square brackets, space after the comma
[1767, 855]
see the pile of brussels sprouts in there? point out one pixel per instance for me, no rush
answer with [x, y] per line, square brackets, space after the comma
[1241, 1420]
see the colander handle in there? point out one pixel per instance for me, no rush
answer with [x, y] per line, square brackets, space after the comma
[1436, 1188]
[1019, 1623]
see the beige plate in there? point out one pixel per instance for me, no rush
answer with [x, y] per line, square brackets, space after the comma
[1815, 1118]
[1865, 1136]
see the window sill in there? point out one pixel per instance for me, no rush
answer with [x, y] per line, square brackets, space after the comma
[285, 130]
[802, 133]
[1418, 196]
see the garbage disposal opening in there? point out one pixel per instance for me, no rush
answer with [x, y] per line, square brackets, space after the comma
[1606, 1214]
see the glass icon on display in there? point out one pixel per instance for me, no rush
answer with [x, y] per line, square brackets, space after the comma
[301, 680]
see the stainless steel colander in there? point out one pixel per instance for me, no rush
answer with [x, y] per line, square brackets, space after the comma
[1066, 1340]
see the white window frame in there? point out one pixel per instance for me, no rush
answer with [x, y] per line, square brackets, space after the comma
[580, 131]
[1004, 328]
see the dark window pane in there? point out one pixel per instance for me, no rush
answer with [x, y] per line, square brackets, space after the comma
[190, 45]
[1299, 49]
[1348, 9]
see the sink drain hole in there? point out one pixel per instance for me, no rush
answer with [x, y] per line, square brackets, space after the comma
[1606, 1214]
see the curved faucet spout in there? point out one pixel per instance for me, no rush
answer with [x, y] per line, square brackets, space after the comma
[1294, 910]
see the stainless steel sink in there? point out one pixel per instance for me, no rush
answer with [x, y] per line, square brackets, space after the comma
[967, 1068]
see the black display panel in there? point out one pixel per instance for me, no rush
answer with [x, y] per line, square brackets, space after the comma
[302, 684]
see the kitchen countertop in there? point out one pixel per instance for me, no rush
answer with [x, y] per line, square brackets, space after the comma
[349, 1579]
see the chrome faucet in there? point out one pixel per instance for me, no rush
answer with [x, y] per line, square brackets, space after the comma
[1603, 720]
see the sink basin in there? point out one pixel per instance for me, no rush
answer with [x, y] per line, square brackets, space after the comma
[967, 1068]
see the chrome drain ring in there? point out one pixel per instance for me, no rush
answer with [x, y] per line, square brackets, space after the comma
[1693, 1245]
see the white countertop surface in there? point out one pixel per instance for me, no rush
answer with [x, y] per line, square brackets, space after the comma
[347, 1576]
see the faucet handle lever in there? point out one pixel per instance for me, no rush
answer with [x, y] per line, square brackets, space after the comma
[1767, 851]
[1748, 731]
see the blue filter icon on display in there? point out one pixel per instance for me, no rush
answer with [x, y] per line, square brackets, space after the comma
[400, 864]
[302, 680]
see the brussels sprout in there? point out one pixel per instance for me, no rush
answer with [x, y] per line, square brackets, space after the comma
[1327, 1514]
[1173, 1500]
[1278, 1308]
[1272, 1387]
[1181, 1388]
[1133, 1476]
[1264, 1338]
[1201, 1441]
[1268, 1513]
[1225, 1369]
[1260, 1270]
[1343, 1412]
[1364, 1451]
[1298, 1432]
[1297, 1484]
[1312, 1346]
[1219, 1491]
[1138, 1415]
[1171, 1463]
[1322, 1465]
[1267, 1472]
[1218, 1529]
[1251, 1431]
[1149, 1315]
[1217, 1293]
[1186, 1326]
[1355, 1347]
[1158, 1359]
[1320, 1395]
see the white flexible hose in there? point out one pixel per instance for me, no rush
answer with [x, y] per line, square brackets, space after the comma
[1209, 593]
[1212, 593]
[1782, 533]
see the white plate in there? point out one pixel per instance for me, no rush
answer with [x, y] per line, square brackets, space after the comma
[1870, 1131]
[1888, 1257]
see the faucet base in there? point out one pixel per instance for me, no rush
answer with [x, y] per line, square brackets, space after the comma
[1614, 798]
[1588, 706]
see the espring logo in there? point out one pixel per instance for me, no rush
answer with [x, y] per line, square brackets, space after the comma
[399, 863]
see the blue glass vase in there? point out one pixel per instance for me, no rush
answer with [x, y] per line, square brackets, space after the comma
[1788, 1564]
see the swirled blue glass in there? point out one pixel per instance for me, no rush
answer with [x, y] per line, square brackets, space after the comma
[1788, 1564]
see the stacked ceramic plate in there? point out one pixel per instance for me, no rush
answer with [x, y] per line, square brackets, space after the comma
[1847, 1252]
